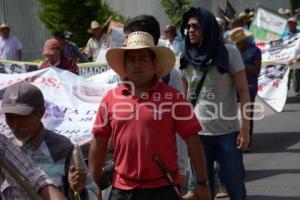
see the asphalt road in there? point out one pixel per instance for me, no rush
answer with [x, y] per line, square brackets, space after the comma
[273, 165]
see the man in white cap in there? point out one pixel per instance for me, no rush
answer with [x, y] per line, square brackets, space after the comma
[10, 46]
[292, 28]
[295, 73]
[23, 106]
[142, 116]
[95, 43]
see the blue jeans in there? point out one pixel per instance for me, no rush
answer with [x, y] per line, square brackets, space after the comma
[223, 149]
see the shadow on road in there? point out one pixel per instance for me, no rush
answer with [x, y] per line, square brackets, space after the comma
[261, 174]
[257, 197]
[275, 142]
[295, 99]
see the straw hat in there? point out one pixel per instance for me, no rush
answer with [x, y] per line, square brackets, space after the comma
[94, 24]
[165, 59]
[243, 15]
[4, 25]
[237, 35]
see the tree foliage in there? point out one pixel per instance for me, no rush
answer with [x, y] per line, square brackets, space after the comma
[295, 4]
[175, 9]
[75, 16]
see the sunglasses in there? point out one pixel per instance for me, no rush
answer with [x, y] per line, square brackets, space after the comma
[194, 26]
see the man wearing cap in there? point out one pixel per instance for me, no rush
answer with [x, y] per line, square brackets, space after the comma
[143, 128]
[251, 56]
[70, 49]
[95, 43]
[32, 174]
[10, 46]
[54, 57]
[214, 73]
[23, 106]
[292, 28]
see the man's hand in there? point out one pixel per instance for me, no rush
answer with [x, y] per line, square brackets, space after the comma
[243, 138]
[76, 179]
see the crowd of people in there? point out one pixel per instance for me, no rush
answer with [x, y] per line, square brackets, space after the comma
[143, 147]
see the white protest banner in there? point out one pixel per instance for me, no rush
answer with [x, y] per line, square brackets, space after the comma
[282, 50]
[272, 88]
[267, 25]
[71, 101]
[92, 68]
[273, 80]
[16, 67]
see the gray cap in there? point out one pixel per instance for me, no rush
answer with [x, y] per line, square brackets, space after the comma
[21, 98]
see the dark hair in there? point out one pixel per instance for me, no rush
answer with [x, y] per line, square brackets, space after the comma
[60, 35]
[145, 23]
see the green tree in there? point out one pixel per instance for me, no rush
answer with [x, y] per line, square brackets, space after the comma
[295, 4]
[175, 8]
[75, 16]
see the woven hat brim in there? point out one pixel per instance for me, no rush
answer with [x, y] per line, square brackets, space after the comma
[165, 60]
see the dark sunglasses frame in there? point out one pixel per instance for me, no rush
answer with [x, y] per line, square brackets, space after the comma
[194, 26]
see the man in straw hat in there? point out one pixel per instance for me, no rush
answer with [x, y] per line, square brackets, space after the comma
[149, 24]
[10, 46]
[142, 116]
[251, 56]
[214, 72]
[23, 106]
[95, 43]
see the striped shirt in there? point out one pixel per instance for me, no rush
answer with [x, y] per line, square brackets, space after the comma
[35, 177]
[53, 153]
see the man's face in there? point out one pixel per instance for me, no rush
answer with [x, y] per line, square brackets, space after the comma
[25, 127]
[5, 32]
[292, 26]
[139, 66]
[96, 32]
[52, 58]
[194, 31]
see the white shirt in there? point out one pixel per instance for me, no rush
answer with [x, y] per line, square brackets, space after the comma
[93, 46]
[9, 48]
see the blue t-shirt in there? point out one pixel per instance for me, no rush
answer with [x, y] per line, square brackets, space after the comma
[249, 56]
[287, 34]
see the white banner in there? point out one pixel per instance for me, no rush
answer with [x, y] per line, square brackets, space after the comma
[270, 21]
[272, 85]
[267, 25]
[71, 101]
[281, 51]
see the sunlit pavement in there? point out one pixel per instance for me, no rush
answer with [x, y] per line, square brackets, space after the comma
[273, 165]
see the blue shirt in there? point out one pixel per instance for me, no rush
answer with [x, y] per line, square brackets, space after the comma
[250, 55]
[287, 34]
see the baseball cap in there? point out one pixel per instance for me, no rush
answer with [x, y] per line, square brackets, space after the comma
[21, 98]
[50, 46]
[292, 19]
